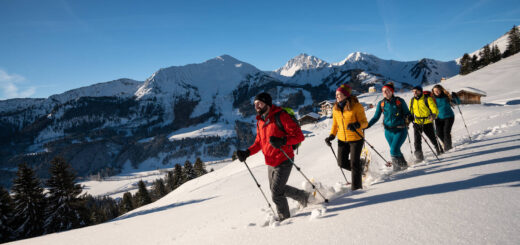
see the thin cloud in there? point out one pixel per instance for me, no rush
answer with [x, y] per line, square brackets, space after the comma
[9, 86]
[383, 12]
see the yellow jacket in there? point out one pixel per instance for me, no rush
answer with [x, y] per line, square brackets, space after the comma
[340, 121]
[421, 112]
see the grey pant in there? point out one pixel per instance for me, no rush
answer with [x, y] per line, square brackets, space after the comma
[278, 177]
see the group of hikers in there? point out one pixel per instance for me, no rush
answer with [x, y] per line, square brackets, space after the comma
[277, 133]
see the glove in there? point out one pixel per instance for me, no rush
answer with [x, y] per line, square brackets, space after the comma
[277, 142]
[353, 126]
[329, 139]
[242, 155]
[454, 95]
[410, 119]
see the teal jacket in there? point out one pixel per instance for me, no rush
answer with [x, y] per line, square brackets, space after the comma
[394, 114]
[444, 106]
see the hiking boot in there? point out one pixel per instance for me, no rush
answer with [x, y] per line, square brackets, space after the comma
[396, 164]
[447, 146]
[418, 156]
[402, 163]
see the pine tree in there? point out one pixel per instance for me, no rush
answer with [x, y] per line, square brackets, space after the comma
[170, 186]
[187, 172]
[127, 204]
[177, 176]
[29, 203]
[465, 64]
[101, 209]
[159, 189]
[66, 210]
[475, 64]
[142, 197]
[485, 56]
[6, 216]
[199, 167]
[513, 42]
[496, 55]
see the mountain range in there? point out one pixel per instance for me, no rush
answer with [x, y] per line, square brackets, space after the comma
[120, 124]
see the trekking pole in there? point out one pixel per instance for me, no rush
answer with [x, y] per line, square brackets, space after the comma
[388, 164]
[436, 136]
[464, 121]
[298, 168]
[257, 184]
[422, 127]
[409, 141]
[340, 169]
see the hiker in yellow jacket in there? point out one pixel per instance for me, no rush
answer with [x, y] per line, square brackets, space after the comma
[348, 117]
[424, 110]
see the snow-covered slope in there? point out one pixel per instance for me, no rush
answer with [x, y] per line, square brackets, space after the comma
[121, 88]
[470, 197]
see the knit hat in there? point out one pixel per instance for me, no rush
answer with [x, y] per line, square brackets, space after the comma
[345, 90]
[418, 87]
[389, 86]
[265, 97]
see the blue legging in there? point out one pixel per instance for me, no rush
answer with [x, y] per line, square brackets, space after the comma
[395, 139]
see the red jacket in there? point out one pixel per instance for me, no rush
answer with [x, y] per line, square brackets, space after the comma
[266, 129]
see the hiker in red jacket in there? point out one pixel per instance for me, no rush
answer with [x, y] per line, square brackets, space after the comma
[270, 139]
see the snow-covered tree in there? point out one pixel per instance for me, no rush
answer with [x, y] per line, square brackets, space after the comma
[6, 215]
[199, 167]
[29, 203]
[66, 210]
[142, 197]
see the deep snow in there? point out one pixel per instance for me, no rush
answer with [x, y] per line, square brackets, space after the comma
[470, 197]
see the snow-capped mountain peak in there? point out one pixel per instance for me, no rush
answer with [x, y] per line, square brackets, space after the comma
[357, 57]
[220, 73]
[301, 62]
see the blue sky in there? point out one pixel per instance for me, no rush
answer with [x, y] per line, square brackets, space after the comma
[49, 47]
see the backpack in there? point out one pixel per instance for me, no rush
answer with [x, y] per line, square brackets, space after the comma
[279, 124]
[397, 102]
[426, 94]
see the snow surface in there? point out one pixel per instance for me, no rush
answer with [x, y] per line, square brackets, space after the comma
[470, 197]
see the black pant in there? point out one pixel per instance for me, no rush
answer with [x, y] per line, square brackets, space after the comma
[430, 133]
[353, 164]
[278, 177]
[443, 127]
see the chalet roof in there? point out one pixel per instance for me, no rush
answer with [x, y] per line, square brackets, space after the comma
[312, 114]
[472, 91]
[327, 101]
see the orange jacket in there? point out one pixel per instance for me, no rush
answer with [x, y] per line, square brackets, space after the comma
[266, 129]
[341, 119]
